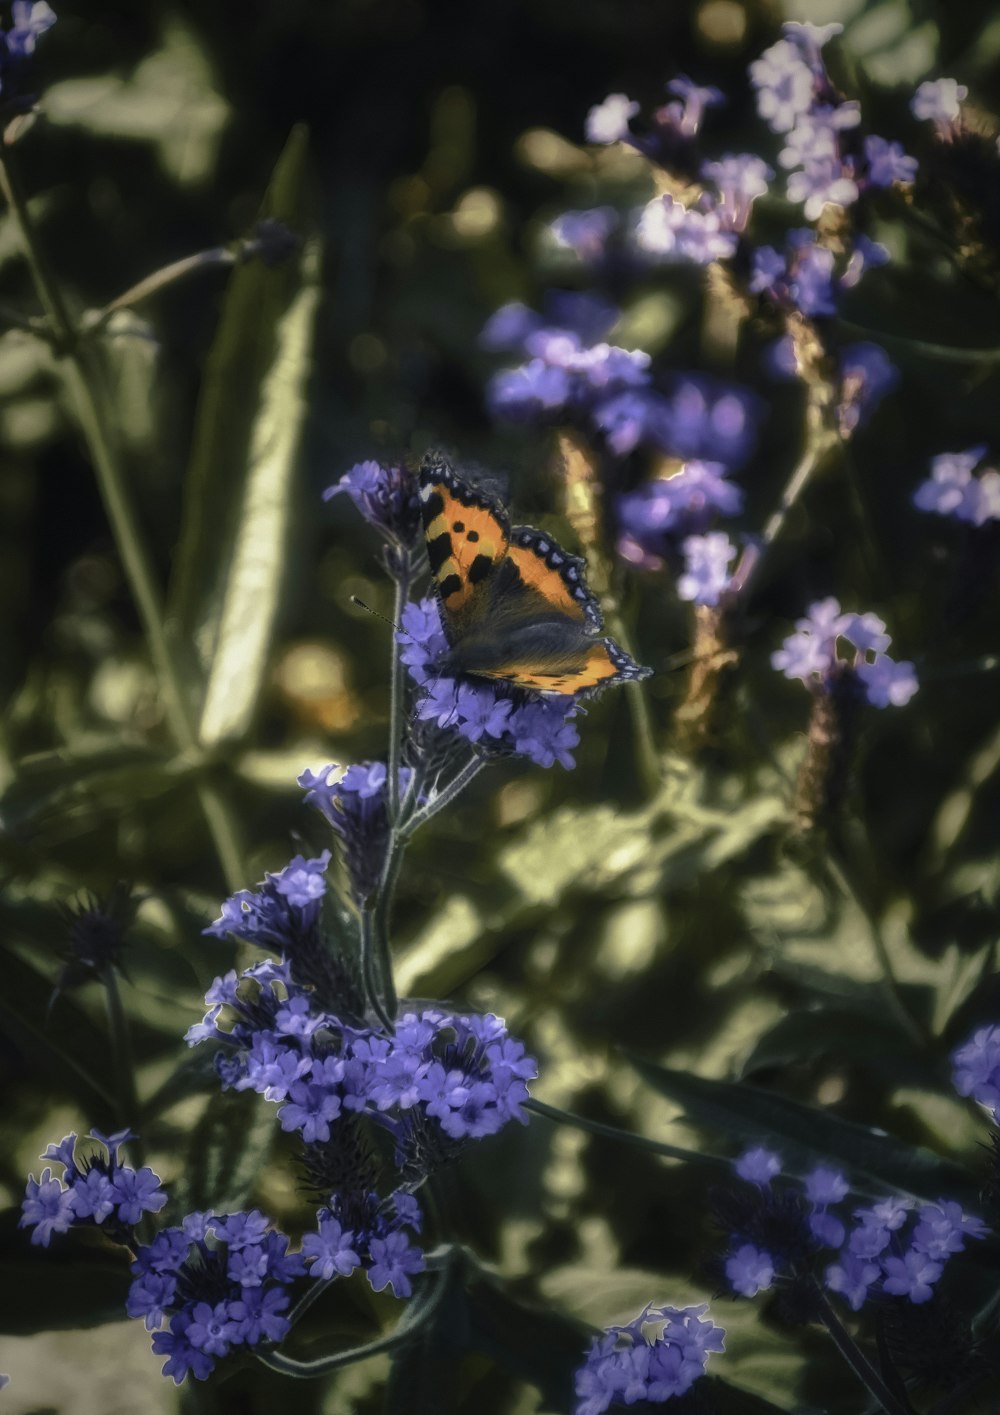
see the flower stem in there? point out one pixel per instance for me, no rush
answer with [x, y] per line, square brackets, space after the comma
[856, 1358]
[820, 442]
[444, 797]
[628, 1137]
[397, 694]
[124, 1067]
[159, 280]
[83, 384]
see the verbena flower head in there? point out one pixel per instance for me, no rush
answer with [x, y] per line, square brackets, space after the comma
[812, 654]
[463, 1073]
[952, 489]
[354, 801]
[494, 719]
[659, 1354]
[668, 511]
[386, 497]
[217, 1284]
[283, 913]
[667, 228]
[95, 1188]
[976, 1068]
[97, 929]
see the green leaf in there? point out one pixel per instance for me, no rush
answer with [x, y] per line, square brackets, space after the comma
[79, 1281]
[228, 1148]
[807, 1135]
[808, 1034]
[169, 101]
[56, 1041]
[103, 773]
[233, 471]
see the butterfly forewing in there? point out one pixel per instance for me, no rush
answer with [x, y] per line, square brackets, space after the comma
[467, 535]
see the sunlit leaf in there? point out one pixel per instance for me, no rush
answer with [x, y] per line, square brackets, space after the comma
[169, 101]
[807, 1135]
[243, 457]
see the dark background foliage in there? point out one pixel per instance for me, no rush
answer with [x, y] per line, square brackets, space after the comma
[682, 929]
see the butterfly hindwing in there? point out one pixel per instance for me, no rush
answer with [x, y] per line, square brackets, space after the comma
[554, 574]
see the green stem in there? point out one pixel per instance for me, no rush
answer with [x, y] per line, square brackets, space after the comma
[82, 381]
[397, 694]
[444, 797]
[820, 442]
[856, 1358]
[129, 1113]
[159, 280]
[418, 1315]
[370, 972]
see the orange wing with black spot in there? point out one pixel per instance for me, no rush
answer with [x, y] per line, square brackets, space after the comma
[467, 534]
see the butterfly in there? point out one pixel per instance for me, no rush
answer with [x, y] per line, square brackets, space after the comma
[515, 606]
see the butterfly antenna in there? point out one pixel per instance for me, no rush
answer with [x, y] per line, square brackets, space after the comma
[368, 610]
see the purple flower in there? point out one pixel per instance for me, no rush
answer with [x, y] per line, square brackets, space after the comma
[211, 1328]
[330, 1250]
[886, 682]
[386, 497]
[509, 327]
[695, 98]
[707, 560]
[866, 632]
[911, 1276]
[302, 881]
[256, 1315]
[811, 280]
[942, 1228]
[888, 162]
[866, 375]
[47, 1208]
[607, 122]
[528, 391]
[183, 1358]
[150, 1297]
[30, 21]
[784, 84]
[976, 1068]
[758, 1165]
[939, 101]
[749, 1270]
[393, 1260]
[94, 1196]
[822, 183]
[825, 1185]
[740, 179]
[355, 804]
[812, 649]
[952, 490]
[624, 1366]
[668, 228]
[852, 1276]
[585, 232]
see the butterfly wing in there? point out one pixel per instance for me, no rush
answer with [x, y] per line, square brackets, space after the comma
[515, 606]
[468, 534]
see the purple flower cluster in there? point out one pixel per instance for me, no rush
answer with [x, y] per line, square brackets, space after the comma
[671, 515]
[94, 1188]
[952, 489]
[894, 1247]
[811, 654]
[810, 277]
[464, 1072]
[387, 498]
[283, 913]
[216, 1284]
[355, 803]
[976, 1070]
[497, 719]
[573, 373]
[625, 1365]
[669, 135]
[827, 162]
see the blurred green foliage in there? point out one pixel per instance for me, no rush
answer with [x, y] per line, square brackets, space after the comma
[644, 947]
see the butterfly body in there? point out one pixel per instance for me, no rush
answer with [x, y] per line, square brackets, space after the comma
[515, 606]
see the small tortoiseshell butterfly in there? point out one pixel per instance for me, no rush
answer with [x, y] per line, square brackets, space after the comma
[515, 606]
